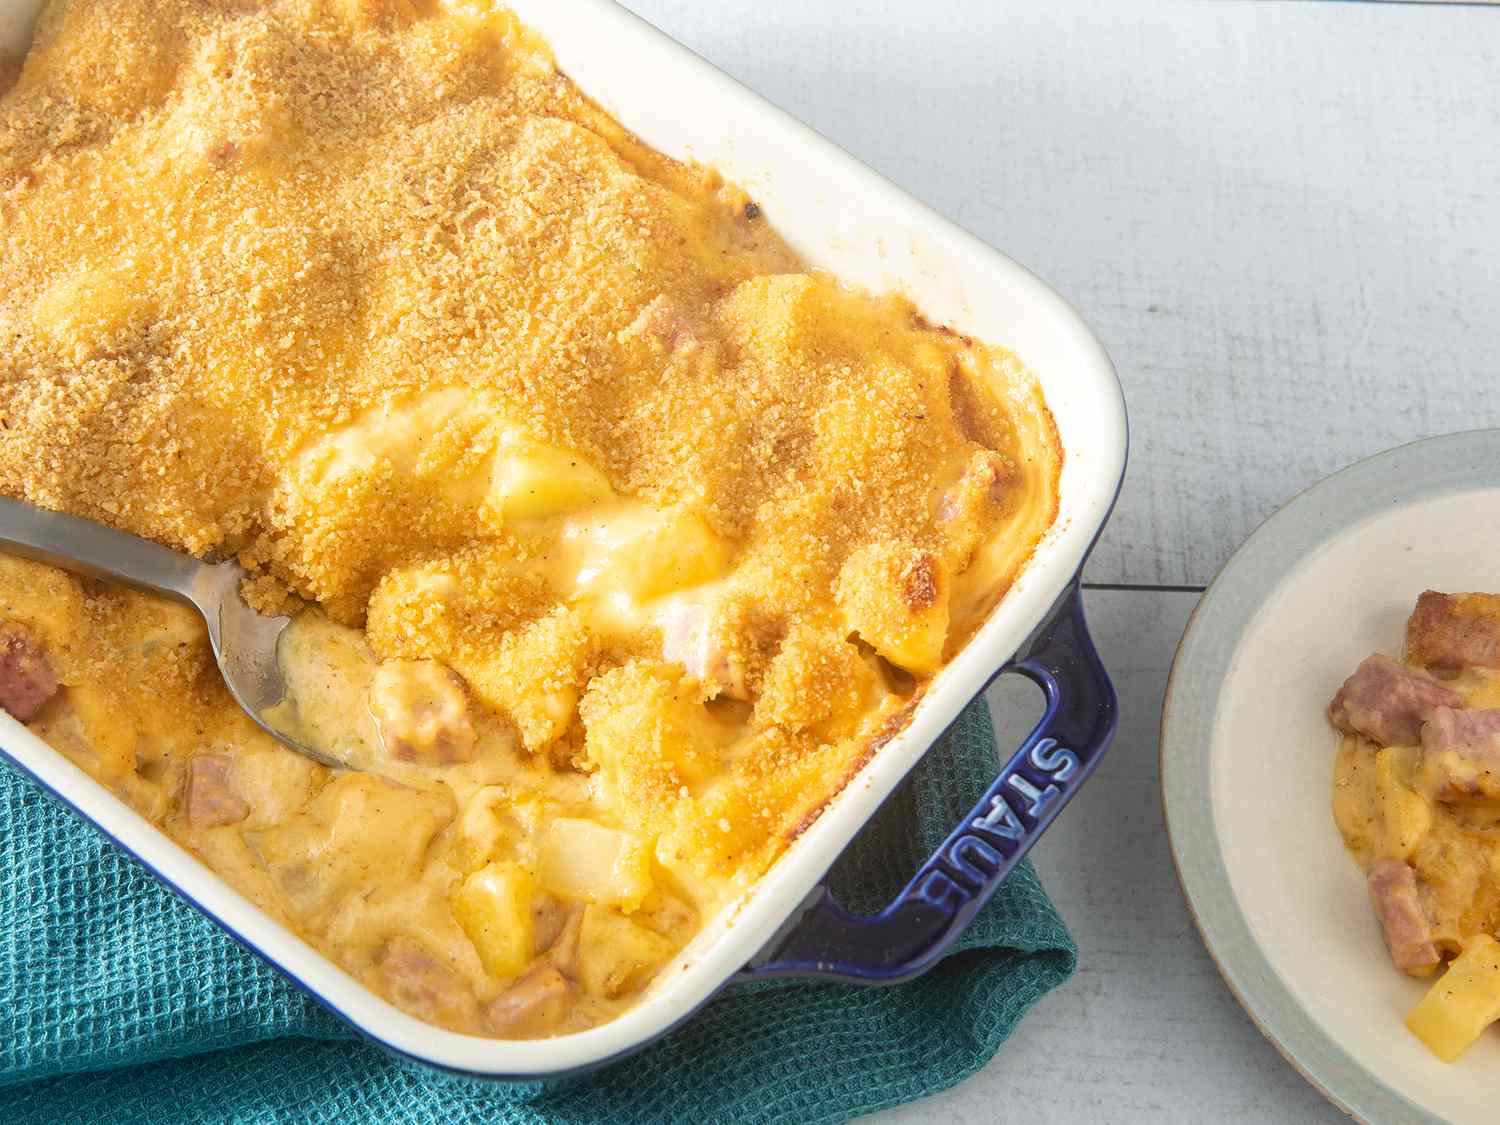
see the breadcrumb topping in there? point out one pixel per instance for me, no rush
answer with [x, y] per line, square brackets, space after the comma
[228, 229]
[365, 293]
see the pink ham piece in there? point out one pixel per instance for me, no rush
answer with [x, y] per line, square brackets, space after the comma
[1398, 905]
[211, 799]
[1388, 702]
[1453, 631]
[27, 681]
[419, 983]
[983, 482]
[687, 639]
[1466, 747]
[664, 324]
[562, 954]
[533, 1004]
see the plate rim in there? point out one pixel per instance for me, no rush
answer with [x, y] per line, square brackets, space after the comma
[1201, 669]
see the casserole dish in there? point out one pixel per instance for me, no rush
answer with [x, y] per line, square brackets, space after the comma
[975, 292]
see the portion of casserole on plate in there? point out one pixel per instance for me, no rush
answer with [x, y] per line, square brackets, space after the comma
[1417, 799]
[619, 540]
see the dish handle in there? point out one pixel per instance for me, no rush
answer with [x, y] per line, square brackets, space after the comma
[912, 933]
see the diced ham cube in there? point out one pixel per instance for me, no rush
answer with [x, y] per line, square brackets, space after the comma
[548, 917]
[535, 1003]
[27, 681]
[1388, 702]
[968, 508]
[665, 324]
[1465, 747]
[1452, 631]
[222, 153]
[211, 798]
[1398, 905]
[562, 954]
[422, 712]
[417, 982]
[688, 639]
[1474, 734]
[982, 483]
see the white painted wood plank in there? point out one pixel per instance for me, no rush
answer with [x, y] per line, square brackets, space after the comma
[1146, 1031]
[1282, 218]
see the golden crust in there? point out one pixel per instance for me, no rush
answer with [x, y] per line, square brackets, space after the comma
[510, 242]
[536, 675]
[816, 680]
[289, 279]
[895, 596]
[460, 604]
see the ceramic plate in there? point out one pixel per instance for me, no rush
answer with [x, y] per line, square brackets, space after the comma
[1247, 767]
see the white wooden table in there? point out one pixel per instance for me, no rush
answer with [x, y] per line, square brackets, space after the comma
[1283, 219]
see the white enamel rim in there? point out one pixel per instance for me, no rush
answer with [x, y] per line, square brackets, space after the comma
[1345, 1038]
[842, 217]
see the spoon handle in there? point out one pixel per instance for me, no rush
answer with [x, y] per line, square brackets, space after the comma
[89, 548]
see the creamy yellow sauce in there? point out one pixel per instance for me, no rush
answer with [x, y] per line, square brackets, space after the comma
[617, 538]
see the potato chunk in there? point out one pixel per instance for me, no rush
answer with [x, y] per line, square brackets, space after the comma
[533, 481]
[1463, 1003]
[420, 708]
[651, 553]
[1405, 815]
[895, 597]
[615, 955]
[583, 860]
[493, 906]
[482, 829]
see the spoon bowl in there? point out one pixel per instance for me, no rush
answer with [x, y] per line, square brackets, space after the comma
[245, 643]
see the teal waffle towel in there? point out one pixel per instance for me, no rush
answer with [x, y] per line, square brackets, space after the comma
[121, 1003]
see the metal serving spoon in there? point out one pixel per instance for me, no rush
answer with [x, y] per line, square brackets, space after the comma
[244, 641]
